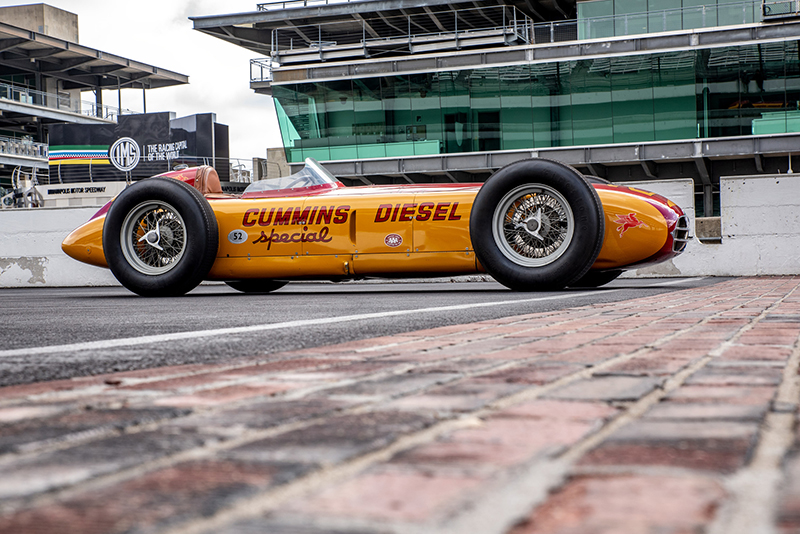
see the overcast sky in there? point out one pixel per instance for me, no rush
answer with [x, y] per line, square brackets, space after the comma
[159, 32]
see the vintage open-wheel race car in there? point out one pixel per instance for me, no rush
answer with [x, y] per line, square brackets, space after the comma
[533, 225]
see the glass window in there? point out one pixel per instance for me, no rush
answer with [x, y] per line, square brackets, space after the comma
[425, 128]
[632, 99]
[737, 12]
[697, 15]
[300, 107]
[516, 107]
[591, 102]
[717, 92]
[369, 122]
[792, 84]
[560, 104]
[454, 91]
[286, 108]
[339, 119]
[674, 100]
[397, 108]
[484, 93]
[664, 16]
[630, 17]
[722, 102]
[771, 90]
[595, 19]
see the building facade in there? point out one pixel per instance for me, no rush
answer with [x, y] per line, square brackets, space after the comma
[392, 90]
[47, 78]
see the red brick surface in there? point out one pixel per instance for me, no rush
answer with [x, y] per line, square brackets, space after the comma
[627, 417]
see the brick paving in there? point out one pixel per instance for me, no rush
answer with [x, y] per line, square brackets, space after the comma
[669, 414]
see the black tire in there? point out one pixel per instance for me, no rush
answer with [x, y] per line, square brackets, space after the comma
[256, 286]
[160, 237]
[537, 225]
[596, 278]
[595, 179]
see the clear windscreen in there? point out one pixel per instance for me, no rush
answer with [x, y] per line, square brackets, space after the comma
[312, 174]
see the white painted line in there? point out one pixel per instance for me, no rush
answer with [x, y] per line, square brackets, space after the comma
[676, 282]
[177, 336]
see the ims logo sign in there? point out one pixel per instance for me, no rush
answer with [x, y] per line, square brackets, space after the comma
[124, 154]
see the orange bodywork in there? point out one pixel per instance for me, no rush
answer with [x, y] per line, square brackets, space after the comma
[387, 231]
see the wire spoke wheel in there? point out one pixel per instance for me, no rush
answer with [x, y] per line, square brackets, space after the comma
[160, 237]
[533, 225]
[536, 225]
[153, 237]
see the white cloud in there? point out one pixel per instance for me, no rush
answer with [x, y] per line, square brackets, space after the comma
[159, 32]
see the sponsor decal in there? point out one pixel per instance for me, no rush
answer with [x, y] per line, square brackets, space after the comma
[297, 237]
[393, 240]
[288, 216]
[626, 222]
[237, 237]
[443, 211]
[296, 216]
[124, 154]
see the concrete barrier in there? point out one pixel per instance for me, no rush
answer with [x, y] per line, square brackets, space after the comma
[760, 236]
[30, 249]
[760, 228]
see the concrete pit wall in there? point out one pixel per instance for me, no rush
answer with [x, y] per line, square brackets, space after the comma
[760, 228]
[30, 249]
[760, 236]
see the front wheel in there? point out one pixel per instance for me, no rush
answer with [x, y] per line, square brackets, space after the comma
[256, 286]
[537, 225]
[160, 237]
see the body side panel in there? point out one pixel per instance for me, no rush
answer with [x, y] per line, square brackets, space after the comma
[85, 243]
[635, 229]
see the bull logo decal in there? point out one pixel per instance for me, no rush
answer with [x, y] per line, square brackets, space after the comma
[626, 222]
[393, 240]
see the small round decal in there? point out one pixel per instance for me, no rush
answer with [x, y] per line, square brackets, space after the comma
[237, 236]
[124, 154]
[393, 240]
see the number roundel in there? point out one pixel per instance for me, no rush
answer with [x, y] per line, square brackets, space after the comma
[237, 236]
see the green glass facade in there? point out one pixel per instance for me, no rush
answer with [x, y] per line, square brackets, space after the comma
[610, 18]
[720, 92]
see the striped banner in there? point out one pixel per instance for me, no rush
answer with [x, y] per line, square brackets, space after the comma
[79, 155]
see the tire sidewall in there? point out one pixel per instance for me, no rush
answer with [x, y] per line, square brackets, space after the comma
[588, 225]
[200, 230]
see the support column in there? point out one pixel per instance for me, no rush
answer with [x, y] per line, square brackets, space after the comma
[98, 100]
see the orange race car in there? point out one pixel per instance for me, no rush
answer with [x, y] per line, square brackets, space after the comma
[534, 225]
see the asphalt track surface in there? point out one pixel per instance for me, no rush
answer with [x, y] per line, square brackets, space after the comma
[58, 333]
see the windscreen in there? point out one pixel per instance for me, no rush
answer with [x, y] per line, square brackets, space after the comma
[312, 174]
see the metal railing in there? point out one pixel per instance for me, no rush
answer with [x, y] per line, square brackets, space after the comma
[404, 33]
[97, 169]
[261, 69]
[23, 192]
[327, 37]
[10, 146]
[284, 4]
[784, 8]
[61, 102]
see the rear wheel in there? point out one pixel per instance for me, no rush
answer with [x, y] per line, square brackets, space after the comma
[537, 225]
[160, 237]
[256, 286]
